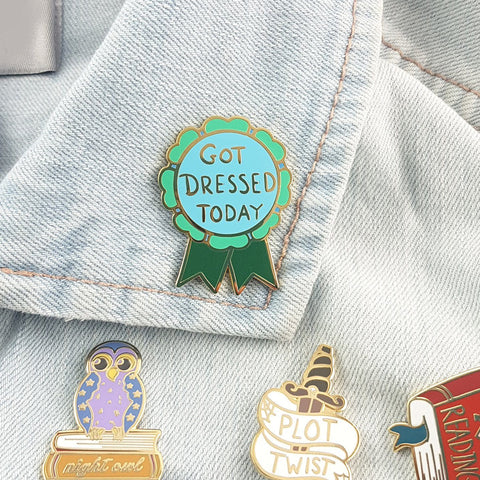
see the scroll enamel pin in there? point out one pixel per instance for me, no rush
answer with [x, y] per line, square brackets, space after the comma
[443, 429]
[108, 405]
[302, 434]
[226, 184]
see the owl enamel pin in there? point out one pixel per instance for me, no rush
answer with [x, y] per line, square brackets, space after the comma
[302, 434]
[108, 405]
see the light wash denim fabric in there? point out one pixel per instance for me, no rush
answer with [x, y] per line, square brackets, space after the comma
[81, 210]
[395, 282]
[438, 44]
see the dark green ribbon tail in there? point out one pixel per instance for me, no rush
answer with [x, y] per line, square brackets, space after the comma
[201, 260]
[252, 261]
[210, 265]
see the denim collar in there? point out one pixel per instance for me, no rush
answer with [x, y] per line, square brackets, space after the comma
[83, 234]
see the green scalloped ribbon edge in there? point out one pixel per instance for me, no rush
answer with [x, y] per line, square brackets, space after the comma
[285, 180]
[186, 138]
[174, 154]
[220, 243]
[275, 148]
[234, 124]
[166, 179]
[184, 225]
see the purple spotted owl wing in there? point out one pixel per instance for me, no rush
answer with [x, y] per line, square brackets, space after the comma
[84, 393]
[136, 393]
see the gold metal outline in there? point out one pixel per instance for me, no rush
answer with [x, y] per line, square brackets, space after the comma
[205, 135]
[320, 414]
[237, 290]
[137, 369]
[414, 396]
[275, 163]
[202, 134]
[133, 429]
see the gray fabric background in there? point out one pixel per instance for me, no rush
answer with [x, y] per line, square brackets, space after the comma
[30, 36]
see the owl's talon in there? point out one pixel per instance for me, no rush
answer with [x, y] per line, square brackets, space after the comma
[96, 433]
[118, 433]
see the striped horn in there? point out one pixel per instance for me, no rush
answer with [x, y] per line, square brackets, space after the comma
[319, 370]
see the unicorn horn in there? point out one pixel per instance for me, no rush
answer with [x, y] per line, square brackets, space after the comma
[319, 370]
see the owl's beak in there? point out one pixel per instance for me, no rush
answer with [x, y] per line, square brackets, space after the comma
[112, 373]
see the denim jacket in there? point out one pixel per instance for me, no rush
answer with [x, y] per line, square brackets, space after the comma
[377, 254]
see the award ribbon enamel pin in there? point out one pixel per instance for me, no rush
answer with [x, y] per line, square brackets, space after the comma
[301, 433]
[108, 405]
[443, 429]
[226, 184]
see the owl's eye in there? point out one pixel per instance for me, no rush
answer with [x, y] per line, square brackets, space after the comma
[125, 362]
[100, 363]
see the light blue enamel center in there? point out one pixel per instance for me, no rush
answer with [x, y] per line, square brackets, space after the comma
[233, 189]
